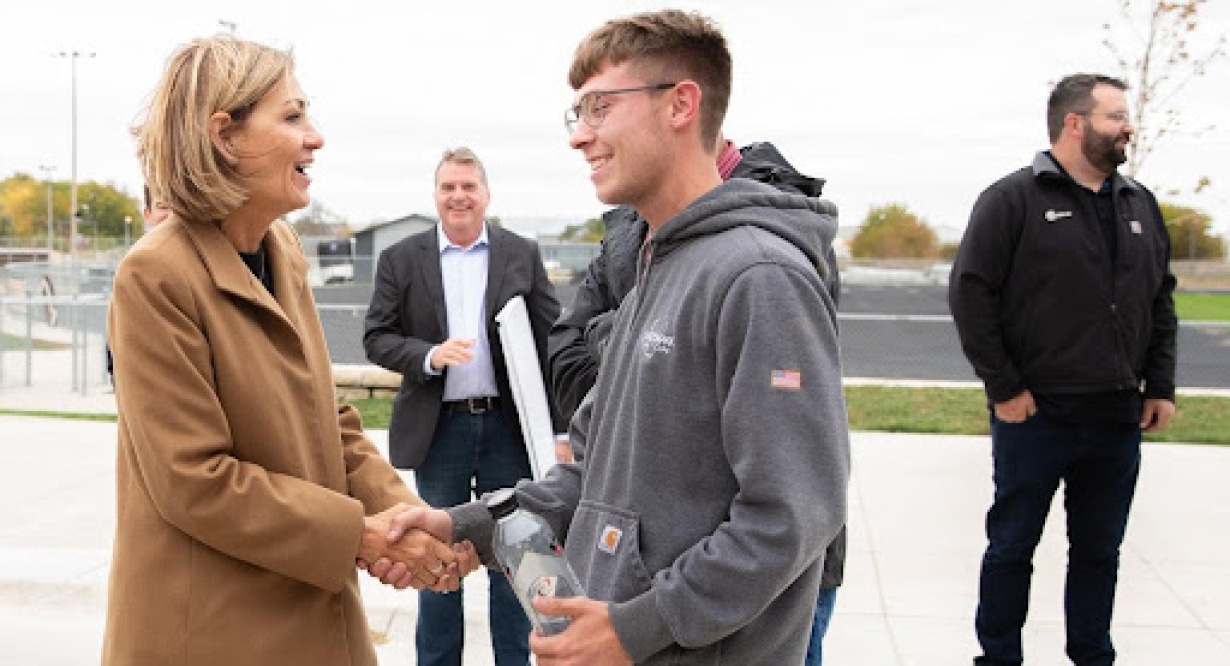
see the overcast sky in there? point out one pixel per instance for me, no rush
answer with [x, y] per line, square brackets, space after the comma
[919, 102]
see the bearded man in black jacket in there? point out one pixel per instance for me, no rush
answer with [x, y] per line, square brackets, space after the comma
[1063, 297]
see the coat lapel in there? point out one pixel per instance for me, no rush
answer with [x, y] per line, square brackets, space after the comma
[285, 255]
[232, 276]
[429, 264]
[497, 258]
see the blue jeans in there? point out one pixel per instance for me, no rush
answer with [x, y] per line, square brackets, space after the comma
[1098, 464]
[471, 454]
[820, 625]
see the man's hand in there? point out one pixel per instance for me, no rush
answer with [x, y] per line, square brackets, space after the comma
[428, 560]
[400, 576]
[590, 639]
[1016, 409]
[1156, 414]
[467, 558]
[408, 522]
[436, 522]
[453, 351]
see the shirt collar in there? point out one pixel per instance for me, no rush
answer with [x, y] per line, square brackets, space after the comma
[445, 243]
[1045, 165]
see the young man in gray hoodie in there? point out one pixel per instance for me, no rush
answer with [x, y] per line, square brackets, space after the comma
[713, 453]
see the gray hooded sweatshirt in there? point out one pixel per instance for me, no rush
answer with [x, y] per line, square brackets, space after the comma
[713, 452]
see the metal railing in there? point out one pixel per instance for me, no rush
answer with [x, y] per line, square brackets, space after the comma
[919, 347]
[53, 335]
[52, 325]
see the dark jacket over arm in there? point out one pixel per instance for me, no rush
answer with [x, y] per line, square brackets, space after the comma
[576, 340]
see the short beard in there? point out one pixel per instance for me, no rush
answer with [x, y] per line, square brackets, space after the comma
[1100, 149]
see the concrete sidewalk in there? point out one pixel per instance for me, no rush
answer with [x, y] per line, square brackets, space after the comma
[54, 386]
[917, 505]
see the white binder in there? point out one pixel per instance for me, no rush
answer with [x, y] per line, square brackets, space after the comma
[528, 388]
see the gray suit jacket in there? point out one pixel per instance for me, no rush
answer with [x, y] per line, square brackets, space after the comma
[408, 316]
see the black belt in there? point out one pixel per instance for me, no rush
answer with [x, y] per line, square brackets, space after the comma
[472, 405]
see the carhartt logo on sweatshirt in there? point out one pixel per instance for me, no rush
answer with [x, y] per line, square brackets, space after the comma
[610, 539]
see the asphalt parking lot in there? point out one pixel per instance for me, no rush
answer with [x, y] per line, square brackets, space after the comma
[887, 332]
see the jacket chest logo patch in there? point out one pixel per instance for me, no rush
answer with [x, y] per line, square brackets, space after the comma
[609, 541]
[1135, 227]
[1053, 215]
[654, 343]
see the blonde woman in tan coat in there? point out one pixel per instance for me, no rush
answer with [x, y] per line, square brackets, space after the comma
[245, 494]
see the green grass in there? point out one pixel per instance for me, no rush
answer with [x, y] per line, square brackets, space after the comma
[376, 412]
[75, 416]
[1200, 420]
[927, 410]
[1203, 307]
[11, 342]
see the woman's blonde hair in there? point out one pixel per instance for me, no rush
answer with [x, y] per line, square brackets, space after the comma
[178, 157]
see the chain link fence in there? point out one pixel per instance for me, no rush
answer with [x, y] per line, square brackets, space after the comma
[894, 325]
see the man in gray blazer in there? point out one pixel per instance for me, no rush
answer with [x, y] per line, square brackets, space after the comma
[432, 319]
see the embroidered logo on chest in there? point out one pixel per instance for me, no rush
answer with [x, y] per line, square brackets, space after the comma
[654, 343]
[1053, 215]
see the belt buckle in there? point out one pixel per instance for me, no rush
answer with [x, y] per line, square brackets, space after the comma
[478, 405]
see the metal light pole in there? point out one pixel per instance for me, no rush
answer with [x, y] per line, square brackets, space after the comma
[72, 233]
[50, 234]
[85, 217]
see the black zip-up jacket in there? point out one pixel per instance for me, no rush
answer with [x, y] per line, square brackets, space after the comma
[1040, 305]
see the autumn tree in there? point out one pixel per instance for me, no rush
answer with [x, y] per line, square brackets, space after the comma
[23, 206]
[318, 220]
[893, 231]
[1189, 233]
[103, 208]
[19, 206]
[590, 231]
[1157, 46]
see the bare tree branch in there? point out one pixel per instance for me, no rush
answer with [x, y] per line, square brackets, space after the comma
[1156, 55]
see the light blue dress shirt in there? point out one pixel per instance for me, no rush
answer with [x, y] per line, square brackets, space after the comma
[463, 270]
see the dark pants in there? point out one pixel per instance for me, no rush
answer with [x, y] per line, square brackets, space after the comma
[1098, 464]
[471, 454]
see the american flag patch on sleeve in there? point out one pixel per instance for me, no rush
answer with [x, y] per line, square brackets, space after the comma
[786, 379]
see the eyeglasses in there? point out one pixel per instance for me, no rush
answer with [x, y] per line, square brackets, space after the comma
[592, 109]
[1120, 117]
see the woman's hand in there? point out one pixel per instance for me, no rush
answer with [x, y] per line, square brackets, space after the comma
[411, 556]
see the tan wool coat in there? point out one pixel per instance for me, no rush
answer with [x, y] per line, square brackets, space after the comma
[241, 486]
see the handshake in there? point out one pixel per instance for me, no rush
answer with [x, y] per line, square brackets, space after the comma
[411, 546]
